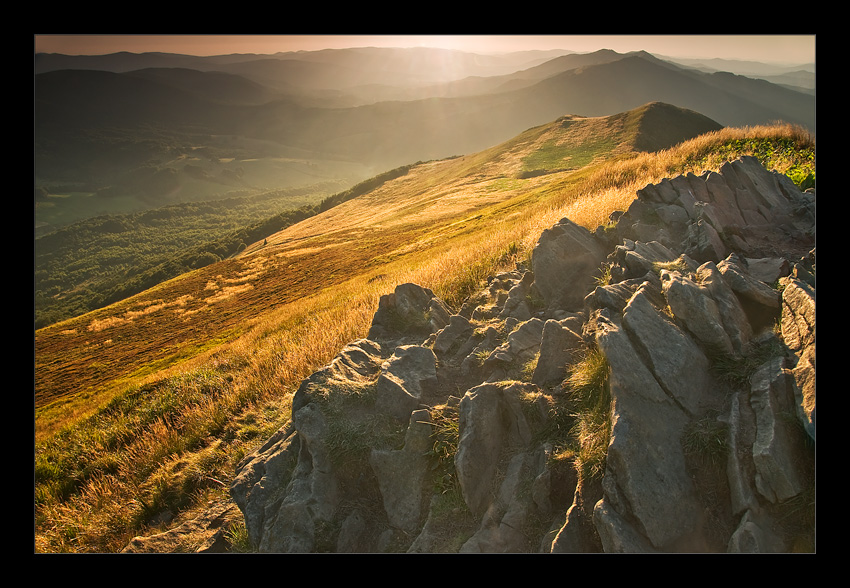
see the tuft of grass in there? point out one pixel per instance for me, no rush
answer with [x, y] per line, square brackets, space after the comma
[587, 384]
[238, 539]
[604, 277]
[736, 370]
[527, 370]
[706, 440]
[445, 436]
[677, 265]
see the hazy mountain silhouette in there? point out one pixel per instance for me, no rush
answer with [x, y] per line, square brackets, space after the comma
[331, 105]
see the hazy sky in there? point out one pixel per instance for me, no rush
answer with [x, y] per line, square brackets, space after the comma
[768, 48]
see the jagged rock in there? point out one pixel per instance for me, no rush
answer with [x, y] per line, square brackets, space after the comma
[739, 466]
[804, 390]
[502, 526]
[798, 314]
[754, 536]
[734, 319]
[312, 493]
[401, 474]
[558, 346]
[516, 305]
[760, 302]
[740, 207]
[406, 380]
[768, 269]
[745, 286]
[410, 309]
[703, 242]
[774, 450]
[358, 362]
[353, 534]
[490, 420]
[678, 364]
[521, 347]
[646, 481]
[564, 261]
[577, 534]
[613, 296]
[451, 339]
[616, 533]
[638, 258]
[491, 302]
[484, 344]
[691, 271]
[697, 310]
[262, 479]
[724, 208]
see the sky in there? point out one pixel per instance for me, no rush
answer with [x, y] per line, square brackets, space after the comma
[786, 49]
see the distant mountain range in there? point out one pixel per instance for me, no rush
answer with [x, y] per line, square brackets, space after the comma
[100, 118]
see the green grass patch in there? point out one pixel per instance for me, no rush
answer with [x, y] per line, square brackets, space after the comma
[587, 384]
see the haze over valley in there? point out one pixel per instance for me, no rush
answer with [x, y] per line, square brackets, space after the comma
[125, 132]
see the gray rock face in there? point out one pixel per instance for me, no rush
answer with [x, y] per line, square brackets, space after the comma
[775, 454]
[645, 478]
[677, 364]
[409, 309]
[401, 474]
[406, 380]
[459, 430]
[559, 346]
[490, 421]
[565, 261]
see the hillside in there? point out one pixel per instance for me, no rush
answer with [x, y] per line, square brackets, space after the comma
[413, 214]
[216, 354]
[128, 136]
[92, 263]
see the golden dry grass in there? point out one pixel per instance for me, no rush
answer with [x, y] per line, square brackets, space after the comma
[289, 307]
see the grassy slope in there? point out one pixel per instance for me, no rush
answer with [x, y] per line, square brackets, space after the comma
[261, 322]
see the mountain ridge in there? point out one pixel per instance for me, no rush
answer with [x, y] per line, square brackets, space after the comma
[568, 143]
[445, 126]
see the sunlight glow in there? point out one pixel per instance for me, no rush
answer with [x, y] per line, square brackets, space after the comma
[768, 48]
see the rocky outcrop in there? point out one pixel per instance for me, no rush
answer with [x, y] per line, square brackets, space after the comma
[456, 431]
